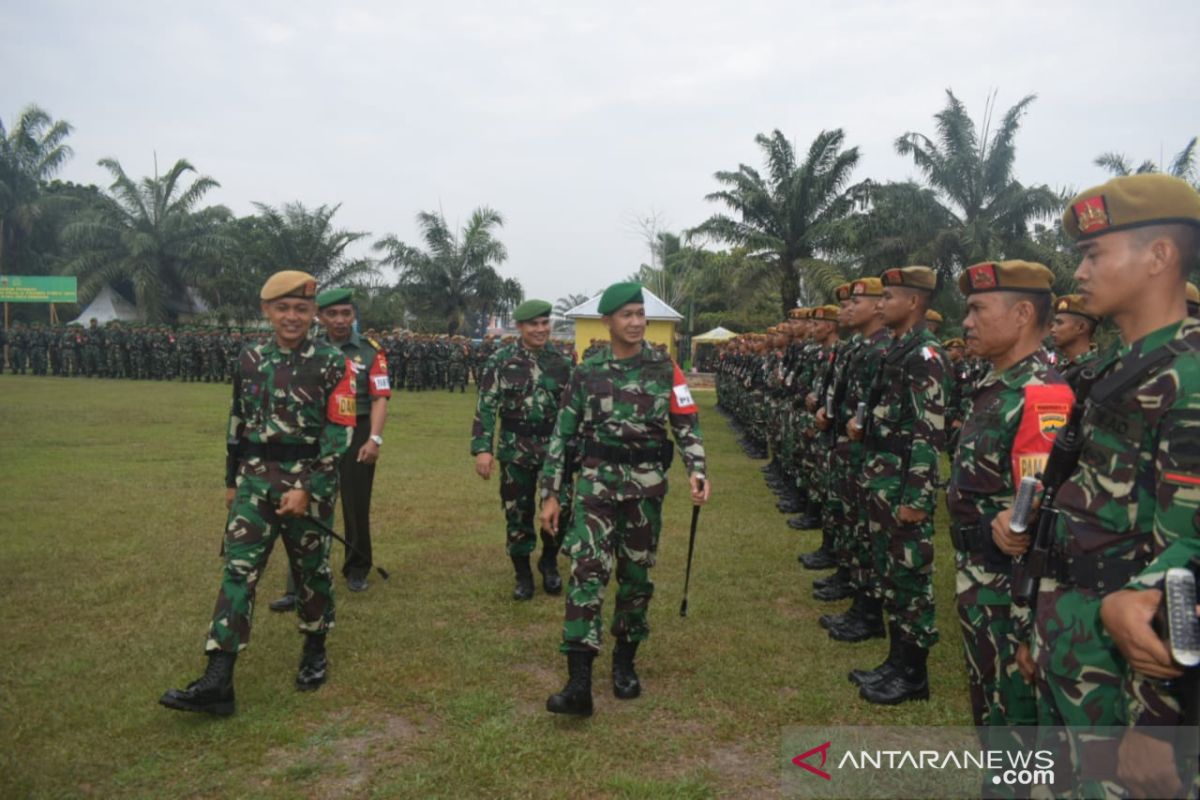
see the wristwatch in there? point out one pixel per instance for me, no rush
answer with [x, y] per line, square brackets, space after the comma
[377, 439]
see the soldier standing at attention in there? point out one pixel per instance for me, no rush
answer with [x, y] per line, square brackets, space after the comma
[620, 404]
[1012, 418]
[290, 422]
[1129, 511]
[1072, 329]
[906, 417]
[521, 384]
[372, 390]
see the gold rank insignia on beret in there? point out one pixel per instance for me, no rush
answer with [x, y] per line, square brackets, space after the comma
[1006, 276]
[867, 287]
[922, 278]
[289, 283]
[843, 292]
[1073, 304]
[1131, 201]
[825, 313]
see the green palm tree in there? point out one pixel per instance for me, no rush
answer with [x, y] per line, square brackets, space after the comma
[295, 237]
[151, 236]
[455, 276]
[30, 154]
[984, 211]
[787, 216]
[1183, 165]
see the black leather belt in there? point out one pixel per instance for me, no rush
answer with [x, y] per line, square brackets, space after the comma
[664, 454]
[976, 539]
[1093, 572]
[521, 428]
[274, 451]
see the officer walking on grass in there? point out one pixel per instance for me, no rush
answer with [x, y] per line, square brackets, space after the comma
[291, 420]
[620, 404]
[520, 387]
[372, 389]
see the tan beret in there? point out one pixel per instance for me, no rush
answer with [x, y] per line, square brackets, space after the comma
[1073, 304]
[867, 287]
[1131, 201]
[1006, 276]
[954, 342]
[796, 313]
[1193, 293]
[289, 283]
[933, 316]
[922, 278]
[843, 292]
[826, 313]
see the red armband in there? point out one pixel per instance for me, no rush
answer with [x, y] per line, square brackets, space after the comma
[681, 396]
[1044, 415]
[342, 409]
[377, 377]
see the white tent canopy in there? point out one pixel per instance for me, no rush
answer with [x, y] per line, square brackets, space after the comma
[655, 308]
[106, 306]
[717, 334]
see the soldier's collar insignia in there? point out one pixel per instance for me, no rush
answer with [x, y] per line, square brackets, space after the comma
[982, 276]
[1091, 215]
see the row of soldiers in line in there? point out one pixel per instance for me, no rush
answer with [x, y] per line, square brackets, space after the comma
[856, 427]
[416, 362]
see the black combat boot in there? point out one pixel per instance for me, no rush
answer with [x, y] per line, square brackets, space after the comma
[863, 677]
[811, 518]
[822, 557]
[837, 588]
[285, 603]
[576, 696]
[626, 685]
[841, 576]
[868, 624]
[908, 681]
[548, 566]
[833, 620]
[524, 588]
[789, 502]
[211, 693]
[314, 666]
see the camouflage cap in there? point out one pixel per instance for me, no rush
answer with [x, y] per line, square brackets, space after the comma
[921, 278]
[1073, 304]
[867, 287]
[1131, 201]
[842, 292]
[826, 313]
[620, 294]
[532, 309]
[1006, 276]
[934, 316]
[335, 297]
[289, 283]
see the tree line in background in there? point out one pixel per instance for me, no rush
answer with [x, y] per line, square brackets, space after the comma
[787, 235]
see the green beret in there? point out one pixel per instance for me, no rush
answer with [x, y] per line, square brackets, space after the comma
[1006, 276]
[620, 294]
[334, 297]
[922, 278]
[531, 309]
[289, 283]
[1131, 201]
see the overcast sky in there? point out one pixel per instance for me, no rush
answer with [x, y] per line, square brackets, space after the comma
[573, 119]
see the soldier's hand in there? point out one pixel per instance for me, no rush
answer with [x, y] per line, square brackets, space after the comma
[822, 421]
[1025, 662]
[229, 493]
[1147, 766]
[853, 431]
[483, 465]
[912, 516]
[1011, 544]
[368, 453]
[810, 401]
[701, 489]
[550, 512]
[1129, 616]
[293, 504]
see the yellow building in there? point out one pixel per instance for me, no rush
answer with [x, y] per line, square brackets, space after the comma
[662, 323]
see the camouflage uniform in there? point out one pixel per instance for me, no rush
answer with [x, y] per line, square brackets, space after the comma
[620, 410]
[522, 389]
[1072, 368]
[457, 367]
[982, 484]
[290, 422]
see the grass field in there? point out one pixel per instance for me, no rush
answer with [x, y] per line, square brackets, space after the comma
[112, 516]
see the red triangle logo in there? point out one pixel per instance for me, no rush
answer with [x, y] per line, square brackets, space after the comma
[802, 761]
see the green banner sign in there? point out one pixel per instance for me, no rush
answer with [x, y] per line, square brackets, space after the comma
[37, 289]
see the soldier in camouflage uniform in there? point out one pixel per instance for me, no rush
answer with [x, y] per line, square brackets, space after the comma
[814, 467]
[291, 420]
[905, 434]
[457, 368]
[38, 341]
[1130, 510]
[1011, 418]
[1072, 330]
[620, 404]
[521, 386]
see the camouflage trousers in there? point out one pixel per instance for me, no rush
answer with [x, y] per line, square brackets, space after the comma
[837, 510]
[903, 555]
[518, 496]
[456, 377]
[250, 534]
[999, 695]
[606, 533]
